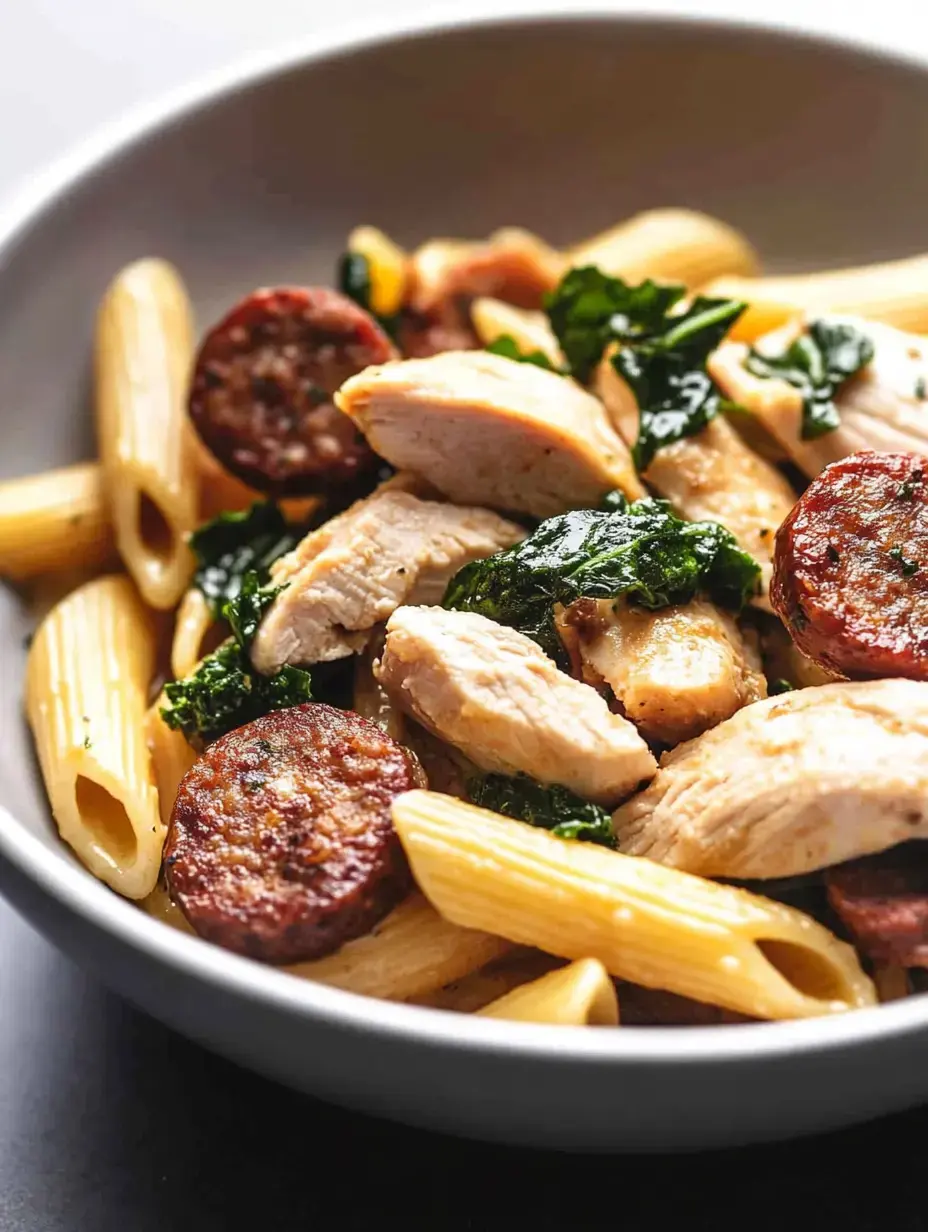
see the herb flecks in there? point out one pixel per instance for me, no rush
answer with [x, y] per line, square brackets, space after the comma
[906, 489]
[662, 350]
[642, 552]
[507, 346]
[236, 543]
[921, 389]
[225, 691]
[548, 806]
[909, 567]
[817, 364]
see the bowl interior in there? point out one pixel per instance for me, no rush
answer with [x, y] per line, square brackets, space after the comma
[562, 126]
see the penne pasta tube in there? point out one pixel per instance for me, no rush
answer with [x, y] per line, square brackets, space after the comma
[411, 953]
[645, 923]
[171, 757]
[193, 624]
[144, 344]
[669, 245]
[493, 319]
[87, 679]
[580, 994]
[53, 521]
[892, 981]
[517, 966]
[895, 292]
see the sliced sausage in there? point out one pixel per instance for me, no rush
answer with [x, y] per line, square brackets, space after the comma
[261, 393]
[851, 567]
[281, 844]
[420, 337]
[883, 901]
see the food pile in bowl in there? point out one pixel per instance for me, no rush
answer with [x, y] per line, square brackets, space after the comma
[532, 633]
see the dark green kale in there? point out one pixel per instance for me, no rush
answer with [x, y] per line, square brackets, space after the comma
[234, 544]
[353, 278]
[551, 807]
[642, 552]
[817, 364]
[662, 355]
[225, 691]
[909, 567]
[780, 686]
[507, 346]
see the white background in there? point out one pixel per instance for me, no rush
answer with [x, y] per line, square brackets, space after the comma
[68, 66]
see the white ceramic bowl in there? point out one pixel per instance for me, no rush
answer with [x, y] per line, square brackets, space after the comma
[816, 150]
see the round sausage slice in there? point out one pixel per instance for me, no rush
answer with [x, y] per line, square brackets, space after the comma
[850, 574]
[281, 844]
[261, 393]
[883, 901]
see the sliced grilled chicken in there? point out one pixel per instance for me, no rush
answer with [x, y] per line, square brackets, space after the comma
[885, 407]
[790, 784]
[495, 695]
[349, 575]
[486, 430]
[676, 672]
[512, 265]
[712, 476]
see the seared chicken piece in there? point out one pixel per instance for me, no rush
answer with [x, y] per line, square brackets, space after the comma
[512, 265]
[349, 575]
[676, 672]
[495, 695]
[712, 476]
[884, 407]
[493, 319]
[485, 430]
[790, 784]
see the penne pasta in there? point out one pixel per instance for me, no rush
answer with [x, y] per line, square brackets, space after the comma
[645, 923]
[193, 625]
[516, 966]
[581, 995]
[53, 521]
[411, 953]
[144, 344]
[171, 758]
[669, 245]
[87, 680]
[895, 292]
[493, 319]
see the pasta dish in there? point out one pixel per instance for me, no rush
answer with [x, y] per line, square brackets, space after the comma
[530, 632]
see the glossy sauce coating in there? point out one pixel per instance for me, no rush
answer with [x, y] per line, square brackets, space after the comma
[261, 393]
[851, 567]
[281, 844]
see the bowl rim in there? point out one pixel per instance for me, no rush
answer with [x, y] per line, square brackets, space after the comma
[76, 889]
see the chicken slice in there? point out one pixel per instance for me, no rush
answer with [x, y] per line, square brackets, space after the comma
[486, 430]
[345, 578]
[495, 695]
[712, 476]
[513, 265]
[885, 407]
[789, 785]
[676, 672]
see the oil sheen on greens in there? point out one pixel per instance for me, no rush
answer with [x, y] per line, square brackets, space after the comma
[817, 364]
[642, 552]
[663, 352]
[225, 691]
[551, 807]
[234, 544]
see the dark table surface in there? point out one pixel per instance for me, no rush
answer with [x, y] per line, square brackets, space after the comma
[111, 1123]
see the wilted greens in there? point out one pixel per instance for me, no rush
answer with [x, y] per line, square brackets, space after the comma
[642, 552]
[234, 544]
[551, 807]
[507, 346]
[817, 364]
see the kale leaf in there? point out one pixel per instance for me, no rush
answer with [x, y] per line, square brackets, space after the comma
[234, 544]
[817, 364]
[507, 346]
[225, 691]
[551, 807]
[663, 351]
[641, 551]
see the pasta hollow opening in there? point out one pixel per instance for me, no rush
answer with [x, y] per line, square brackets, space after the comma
[809, 972]
[154, 529]
[107, 820]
